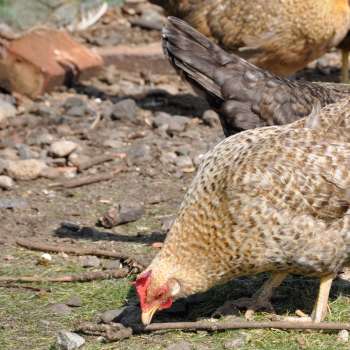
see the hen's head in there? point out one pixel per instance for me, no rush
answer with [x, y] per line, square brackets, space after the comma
[155, 295]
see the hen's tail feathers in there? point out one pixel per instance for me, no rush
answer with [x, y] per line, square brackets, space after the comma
[204, 64]
[193, 54]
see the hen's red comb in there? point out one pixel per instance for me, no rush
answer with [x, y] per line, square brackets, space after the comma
[141, 285]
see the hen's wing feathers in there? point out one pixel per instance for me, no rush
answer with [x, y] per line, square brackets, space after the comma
[314, 179]
[244, 95]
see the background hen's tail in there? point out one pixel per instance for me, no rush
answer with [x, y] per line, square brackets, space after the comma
[244, 95]
[194, 57]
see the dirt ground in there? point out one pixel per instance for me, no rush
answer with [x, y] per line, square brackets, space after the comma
[160, 159]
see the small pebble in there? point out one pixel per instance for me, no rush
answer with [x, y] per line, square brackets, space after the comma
[89, 261]
[69, 341]
[60, 309]
[109, 315]
[112, 265]
[45, 259]
[6, 183]
[126, 109]
[211, 118]
[63, 148]
[343, 336]
[74, 301]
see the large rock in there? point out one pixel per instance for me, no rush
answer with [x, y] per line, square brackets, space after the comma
[28, 169]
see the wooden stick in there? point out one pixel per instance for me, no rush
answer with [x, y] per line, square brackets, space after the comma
[84, 277]
[79, 251]
[89, 179]
[112, 331]
[99, 160]
[219, 326]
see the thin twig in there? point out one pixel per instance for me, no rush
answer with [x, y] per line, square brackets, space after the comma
[96, 121]
[89, 179]
[84, 277]
[99, 160]
[43, 247]
[114, 331]
[20, 286]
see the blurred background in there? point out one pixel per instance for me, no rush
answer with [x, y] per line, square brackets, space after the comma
[72, 14]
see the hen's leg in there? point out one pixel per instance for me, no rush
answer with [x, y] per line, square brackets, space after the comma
[260, 299]
[320, 308]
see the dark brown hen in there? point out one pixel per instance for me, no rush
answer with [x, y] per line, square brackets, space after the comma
[244, 95]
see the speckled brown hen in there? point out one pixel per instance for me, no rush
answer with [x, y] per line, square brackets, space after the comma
[244, 96]
[281, 36]
[274, 199]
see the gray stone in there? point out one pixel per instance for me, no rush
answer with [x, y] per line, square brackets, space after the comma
[140, 152]
[182, 345]
[89, 261]
[63, 148]
[25, 152]
[74, 101]
[7, 110]
[69, 341]
[126, 109]
[112, 265]
[60, 309]
[74, 301]
[6, 183]
[28, 169]
[162, 120]
[184, 162]
[76, 111]
[172, 124]
[211, 118]
[110, 315]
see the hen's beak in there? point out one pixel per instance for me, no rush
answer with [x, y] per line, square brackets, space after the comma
[147, 316]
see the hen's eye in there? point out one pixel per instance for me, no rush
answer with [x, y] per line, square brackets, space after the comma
[159, 295]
